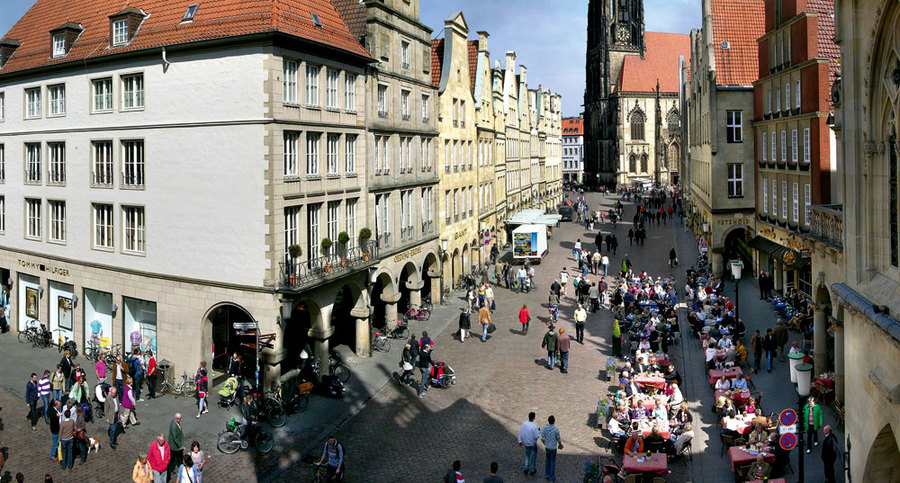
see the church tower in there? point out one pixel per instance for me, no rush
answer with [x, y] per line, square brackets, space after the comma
[615, 29]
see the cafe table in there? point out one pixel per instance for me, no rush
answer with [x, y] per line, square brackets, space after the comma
[729, 373]
[643, 380]
[741, 456]
[656, 463]
[739, 398]
[744, 423]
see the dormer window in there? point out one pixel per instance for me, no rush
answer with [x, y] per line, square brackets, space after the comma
[62, 38]
[7, 47]
[189, 13]
[120, 32]
[124, 25]
[59, 45]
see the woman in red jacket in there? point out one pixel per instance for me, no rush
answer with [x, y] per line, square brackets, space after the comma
[151, 374]
[524, 318]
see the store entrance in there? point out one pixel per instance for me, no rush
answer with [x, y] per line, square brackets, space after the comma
[223, 340]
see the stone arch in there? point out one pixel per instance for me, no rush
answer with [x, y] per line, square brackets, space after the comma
[219, 337]
[884, 39]
[385, 296]
[883, 461]
[304, 326]
[456, 264]
[348, 306]
[466, 260]
[734, 240]
[672, 155]
[409, 287]
[431, 273]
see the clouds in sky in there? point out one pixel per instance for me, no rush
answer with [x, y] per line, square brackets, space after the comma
[547, 35]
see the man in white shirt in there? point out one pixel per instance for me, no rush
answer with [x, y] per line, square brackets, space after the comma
[528, 436]
[604, 261]
[563, 280]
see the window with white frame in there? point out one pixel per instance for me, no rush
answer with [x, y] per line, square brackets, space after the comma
[778, 99]
[102, 163]
[56, 166]
[57, 96]
[33, 103]
[350, 92]
[2, 214]
[291, 229]
[471, 207]
[350, 220]
[350, 154]
[312, 153]
[59, 45]
[797, 94]
[2, 163]
[331, 92]
[382, 100]
[447, 205]
[765, 195]
[769, 101]
[794, 146]
[784, 199]
[291, 153]
[807, 200]
[32, 218]
[425, 100]
[103, 226]
[774, 197]
[133, 164]
[795, 202]
[446, 156]
[806, 145]
[103, 96]
[404, 213]
[735, 126]
[312, 229]
[787, 96]
[289, 82]
[33, 162]
[382, 218]
[408, 220]
[783, 146]
[120, 32]
[57, 220]
[774, 143]
[455, 204]
[312, 85]
[331, 154]
[133, 91]
[2, 106]
[331, 220]
[404, 104]
[133, 229]
[462, 113]
[765, 146]
[404, 54]
[735, 180]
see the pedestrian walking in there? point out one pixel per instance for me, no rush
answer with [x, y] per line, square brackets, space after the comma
[44, 394]
[812, 421]
[604, 262]
[484, 318]
[615, 244]
[142, 472]
[524, 318]
[67, 365]
[552, 442]
[80, 434]
[528, 436]
[781, 337]
[333, 454]
[520, 276]
[549, 342]
[199, 459]
[465, 323]
[673, 258]
[120, 372]
[406, 363]
[769, 345]
[31, 400]
[563, 280]
[55, 417]
[176, 443]
[202, 390]
[66, 439]
[756, 343]
[489, 298]
[580, 317]
[553, 305]
[111, 410]
[830, 453]
[424, 368]
[454, 474]
[129, 404]
[159, 456]
[58, 383]
[563, 343]
[630, 236]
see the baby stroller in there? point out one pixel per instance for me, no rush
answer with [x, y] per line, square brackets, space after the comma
[100, 392]
[228, 393]
[442, 375]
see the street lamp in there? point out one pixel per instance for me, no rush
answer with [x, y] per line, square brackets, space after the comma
[803, 379]
[737, 266]
[442, 251]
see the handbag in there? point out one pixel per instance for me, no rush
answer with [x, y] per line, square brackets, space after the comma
[79, 434]
[407, 366]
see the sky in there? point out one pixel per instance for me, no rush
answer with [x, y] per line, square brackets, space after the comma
[549, 36]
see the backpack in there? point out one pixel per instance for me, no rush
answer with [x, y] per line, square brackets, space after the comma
[131, 365]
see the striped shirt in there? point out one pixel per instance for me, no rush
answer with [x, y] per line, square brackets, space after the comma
[550, 436]
[44, 386]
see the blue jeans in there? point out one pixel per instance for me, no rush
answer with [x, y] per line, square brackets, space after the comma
[530, 458]
[551, 359]
[57, 394]
[521, 284]
[120, 389]
[67, 461]
[484, 333]
[605, 270]
[45, 399]
[769, 361]
[425, 376]
[114, 421]
[564, 360]
[55, 445]
[550, 465]
[138, 380]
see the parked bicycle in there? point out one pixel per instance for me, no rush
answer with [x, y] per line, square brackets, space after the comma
[94, 351]
[238, 436]
[65, 343]
[337, 367]
[417, 313]
[36, 333]
[297, 401]
[269, 409]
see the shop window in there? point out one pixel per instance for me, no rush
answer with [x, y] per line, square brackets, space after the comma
[140, 324]
[97, 308]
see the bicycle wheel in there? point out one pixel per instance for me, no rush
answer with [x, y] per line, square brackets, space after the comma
[383, 344]
[264, 442]
[275, 413]
[24, 336]
[177, 390]
[426, 314]
[302, 403]
[342, 372]
[229, 442]
[188, 389]
[98, 413]
[402, 333]
[427, 306]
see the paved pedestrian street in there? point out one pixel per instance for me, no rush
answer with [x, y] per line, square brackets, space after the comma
[390, 435]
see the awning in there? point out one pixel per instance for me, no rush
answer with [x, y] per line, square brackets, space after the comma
[534, 217]
[763, 244]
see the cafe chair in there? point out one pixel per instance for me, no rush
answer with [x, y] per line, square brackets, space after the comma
[632, 478]
[615, 443]
[686, 453]
[656, 447]
[727, 442]
[749, 379]
[740, 472]
[659, 479]
[739, 442]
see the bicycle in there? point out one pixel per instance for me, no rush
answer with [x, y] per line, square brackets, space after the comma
[319, 476]
[298, 400]
[269, 409]
[36, 333]
[338, 368]
[382, 342]
[65, 344]
[94, 352]
[240, 436]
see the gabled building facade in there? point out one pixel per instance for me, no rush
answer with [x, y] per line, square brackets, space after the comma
[573, 149]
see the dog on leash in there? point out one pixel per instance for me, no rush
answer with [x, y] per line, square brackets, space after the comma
[93, 444]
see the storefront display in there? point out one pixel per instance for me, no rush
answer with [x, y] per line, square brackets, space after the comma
[61, 314]
[97, 318]
[140, 324]
[29, 300]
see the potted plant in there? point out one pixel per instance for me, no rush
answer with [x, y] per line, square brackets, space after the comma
[343, 238]
[295, 252]
[611, 368]
[326, 248]
[364, 235]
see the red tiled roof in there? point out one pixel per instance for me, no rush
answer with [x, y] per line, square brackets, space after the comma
[162, 27]
[827, 48]
[354, 14]
[576, 124]
[473, 62]
[437, 60]
[660, 62]
[740, 23]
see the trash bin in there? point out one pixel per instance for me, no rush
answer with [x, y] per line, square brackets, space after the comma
[166, 371]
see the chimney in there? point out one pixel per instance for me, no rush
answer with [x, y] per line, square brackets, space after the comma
[483, 41]
[511, 60]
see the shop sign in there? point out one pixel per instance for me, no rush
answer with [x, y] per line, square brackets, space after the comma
[409, 253]
[44, 267]
[733, 221]
[460, 234]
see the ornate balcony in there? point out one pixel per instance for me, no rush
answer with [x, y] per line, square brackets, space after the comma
[297, 274]
[827, 224]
